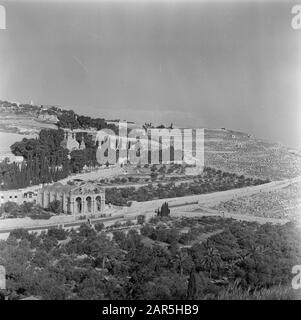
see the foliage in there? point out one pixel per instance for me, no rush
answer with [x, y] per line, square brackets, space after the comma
[242, 261]
[164, 211]
[28, 209]
[55, 206]
[141, 219]
[99, 226]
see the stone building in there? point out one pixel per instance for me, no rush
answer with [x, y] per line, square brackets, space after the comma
[87, 199]
[18, 196]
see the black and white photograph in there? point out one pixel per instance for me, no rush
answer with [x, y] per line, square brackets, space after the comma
[150, 150]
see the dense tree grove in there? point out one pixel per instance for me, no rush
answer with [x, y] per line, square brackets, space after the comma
[46, 145]
[31, 172]
[45, 160]
[221, 259]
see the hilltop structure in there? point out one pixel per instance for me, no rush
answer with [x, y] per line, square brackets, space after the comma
[87, 199]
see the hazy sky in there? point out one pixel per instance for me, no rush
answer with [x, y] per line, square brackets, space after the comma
[203, 64]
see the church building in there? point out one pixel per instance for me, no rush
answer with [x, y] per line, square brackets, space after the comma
[69, 142]
[87, 199]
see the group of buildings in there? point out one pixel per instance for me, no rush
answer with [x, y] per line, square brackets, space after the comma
[87, 199]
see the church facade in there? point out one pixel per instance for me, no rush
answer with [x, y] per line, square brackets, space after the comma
[87, 199]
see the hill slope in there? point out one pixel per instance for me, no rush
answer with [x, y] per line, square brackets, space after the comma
[241, 153]
[227, 150]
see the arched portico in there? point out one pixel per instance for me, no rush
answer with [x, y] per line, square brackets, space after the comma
[89, 204]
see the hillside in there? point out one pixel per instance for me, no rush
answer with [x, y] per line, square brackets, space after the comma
[227, 150]
[241, 153]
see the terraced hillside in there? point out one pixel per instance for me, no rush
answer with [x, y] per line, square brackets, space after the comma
[283, 203]
[241, 153]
